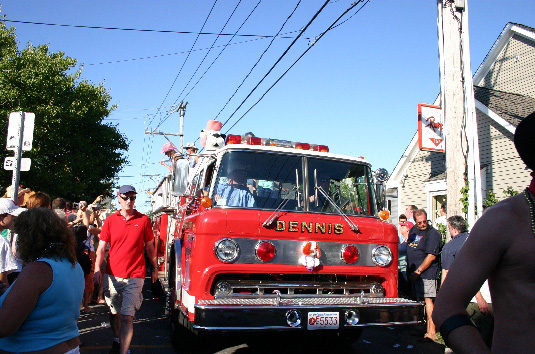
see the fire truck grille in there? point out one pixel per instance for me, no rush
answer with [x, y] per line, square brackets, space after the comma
[302, 301]
[301, 289]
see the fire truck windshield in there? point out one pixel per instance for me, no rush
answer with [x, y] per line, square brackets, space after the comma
[255, 179]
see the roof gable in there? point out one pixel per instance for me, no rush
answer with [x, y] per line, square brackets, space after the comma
[501, 42]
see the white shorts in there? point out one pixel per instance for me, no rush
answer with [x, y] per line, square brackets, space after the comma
[425, 288]
[74, 351]
[123, 295]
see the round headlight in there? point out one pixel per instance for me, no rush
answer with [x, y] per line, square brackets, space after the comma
[382, 256]
[227, 250]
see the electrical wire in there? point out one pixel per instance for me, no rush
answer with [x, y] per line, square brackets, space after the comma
[258, 61]
[140, 30]
[170, 54]
[278, 60]
[200, 64]
[225, 47]
[215, 59]
[145, 153]
[299, 58]
[184, 63]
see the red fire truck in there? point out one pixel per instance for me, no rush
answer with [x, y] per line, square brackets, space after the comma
[271, 235]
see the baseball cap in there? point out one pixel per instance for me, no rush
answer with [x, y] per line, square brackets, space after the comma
[407, 223]
[190, 146]
[127, 188]
[8, 207]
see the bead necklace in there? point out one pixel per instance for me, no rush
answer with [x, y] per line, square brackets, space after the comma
[531, 204]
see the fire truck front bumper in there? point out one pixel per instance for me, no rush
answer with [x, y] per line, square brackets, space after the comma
[279, 313]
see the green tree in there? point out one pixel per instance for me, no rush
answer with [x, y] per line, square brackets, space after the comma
[75, 154]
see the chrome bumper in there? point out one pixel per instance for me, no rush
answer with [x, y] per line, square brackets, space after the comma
[269, 313]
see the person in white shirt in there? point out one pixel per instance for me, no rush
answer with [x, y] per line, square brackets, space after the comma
[442, 219]
[8, 212]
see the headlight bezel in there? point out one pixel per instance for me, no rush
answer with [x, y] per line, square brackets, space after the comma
[379, 253]
[221, 247]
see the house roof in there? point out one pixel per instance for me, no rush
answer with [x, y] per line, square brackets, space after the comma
[527, 28]
[510, 106]
[509, 30]
[439, 177]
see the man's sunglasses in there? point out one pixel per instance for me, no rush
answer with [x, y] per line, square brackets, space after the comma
[125, 198]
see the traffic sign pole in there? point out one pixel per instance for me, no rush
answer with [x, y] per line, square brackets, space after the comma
[18, 154]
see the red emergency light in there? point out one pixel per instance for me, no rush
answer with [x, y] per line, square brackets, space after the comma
[253, 140]
[350, 254]
[265, 251]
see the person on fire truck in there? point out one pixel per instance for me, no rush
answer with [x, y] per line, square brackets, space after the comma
[235, 192]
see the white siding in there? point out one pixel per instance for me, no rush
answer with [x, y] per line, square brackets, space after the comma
[498, 154]
[426, 164]
[513, 70]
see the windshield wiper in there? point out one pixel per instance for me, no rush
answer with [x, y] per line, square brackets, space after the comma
[277, 210]
[352, 225]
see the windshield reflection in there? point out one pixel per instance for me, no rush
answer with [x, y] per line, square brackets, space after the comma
[250, 179]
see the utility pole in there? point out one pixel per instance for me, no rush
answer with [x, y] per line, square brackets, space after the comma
[181, 109]
[182, 112]
[452, 97]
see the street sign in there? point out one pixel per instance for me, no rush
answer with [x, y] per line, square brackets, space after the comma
[430, 128]
[13, 131]
[25, 163]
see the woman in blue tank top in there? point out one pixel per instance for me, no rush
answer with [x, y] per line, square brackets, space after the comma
[39, 311]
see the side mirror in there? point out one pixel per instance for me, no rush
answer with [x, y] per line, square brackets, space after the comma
[381, 176]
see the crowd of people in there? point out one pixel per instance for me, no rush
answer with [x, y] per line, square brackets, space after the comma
[486, 277]
[51, 250]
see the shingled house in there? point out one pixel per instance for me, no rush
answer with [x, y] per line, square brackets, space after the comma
[504, 93]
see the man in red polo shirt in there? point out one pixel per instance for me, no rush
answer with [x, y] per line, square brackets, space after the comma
[129, 234]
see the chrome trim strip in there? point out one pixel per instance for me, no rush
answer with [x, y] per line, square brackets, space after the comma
[288, 252]
[300, 328]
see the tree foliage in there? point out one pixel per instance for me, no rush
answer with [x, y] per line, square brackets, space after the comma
[75, 154]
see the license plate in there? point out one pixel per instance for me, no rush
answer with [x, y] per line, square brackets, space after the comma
[323, 320]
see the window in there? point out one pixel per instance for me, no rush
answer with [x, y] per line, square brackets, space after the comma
[276, 180]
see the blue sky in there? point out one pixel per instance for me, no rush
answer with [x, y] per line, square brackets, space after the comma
[356, 90]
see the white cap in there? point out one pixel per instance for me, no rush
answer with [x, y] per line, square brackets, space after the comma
[8, 207]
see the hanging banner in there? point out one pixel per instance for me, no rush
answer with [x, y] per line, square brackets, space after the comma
[430, 128]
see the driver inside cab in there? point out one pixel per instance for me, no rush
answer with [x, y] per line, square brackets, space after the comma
[235, 192]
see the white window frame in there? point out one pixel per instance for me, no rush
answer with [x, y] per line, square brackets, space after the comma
[432, 189]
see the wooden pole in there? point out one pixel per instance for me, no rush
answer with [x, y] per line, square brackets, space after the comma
[453, 104]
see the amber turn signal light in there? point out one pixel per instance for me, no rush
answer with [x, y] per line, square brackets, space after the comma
[206, 202]
[383, 215]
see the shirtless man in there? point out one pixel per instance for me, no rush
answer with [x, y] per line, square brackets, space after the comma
[501, 248]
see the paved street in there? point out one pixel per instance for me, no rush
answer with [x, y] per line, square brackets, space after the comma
[152, 335]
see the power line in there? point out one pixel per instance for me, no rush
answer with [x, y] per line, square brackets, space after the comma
[170, 54]
[184, 63]
[202, 61]
[278, 60]
[258, 61]
[145, 152]
[139, 30]
[216, 58]
[295, 62]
